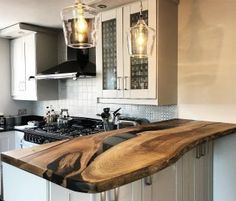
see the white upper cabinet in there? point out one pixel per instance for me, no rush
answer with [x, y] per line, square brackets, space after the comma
[139, 74]
[129, 80]
[109, 54]
[30, 55]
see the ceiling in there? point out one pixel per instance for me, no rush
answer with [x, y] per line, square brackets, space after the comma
[41, 12]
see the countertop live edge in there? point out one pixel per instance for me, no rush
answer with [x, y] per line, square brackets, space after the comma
[107, 160]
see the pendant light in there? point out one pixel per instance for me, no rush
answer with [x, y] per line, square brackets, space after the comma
[79, 25]
[141, 38]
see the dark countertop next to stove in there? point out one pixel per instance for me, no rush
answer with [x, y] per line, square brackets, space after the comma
[24, 121]
[106, 160]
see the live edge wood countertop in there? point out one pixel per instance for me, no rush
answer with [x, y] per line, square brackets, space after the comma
[107, 160]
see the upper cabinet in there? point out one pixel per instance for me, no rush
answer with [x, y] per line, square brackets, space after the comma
[31, 54]
[129, 80]
[109, 54]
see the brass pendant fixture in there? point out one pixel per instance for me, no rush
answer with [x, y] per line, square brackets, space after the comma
[141, 38]
[79, 25]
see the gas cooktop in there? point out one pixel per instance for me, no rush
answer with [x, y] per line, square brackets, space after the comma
[79, 126]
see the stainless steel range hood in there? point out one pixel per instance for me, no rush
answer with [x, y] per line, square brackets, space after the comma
[79, 64]
[69, 69]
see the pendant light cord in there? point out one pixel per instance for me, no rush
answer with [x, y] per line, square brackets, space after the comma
[78, 1]
[141, 10]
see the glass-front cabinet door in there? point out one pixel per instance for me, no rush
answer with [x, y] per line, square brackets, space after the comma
[109, 53]
[139, 73]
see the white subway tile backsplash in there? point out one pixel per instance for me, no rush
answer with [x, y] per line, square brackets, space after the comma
[80, 97]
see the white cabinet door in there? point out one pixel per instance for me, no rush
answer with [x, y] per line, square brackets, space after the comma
[7, 141]
[109, 53]
[75, 196]
[58, 193]
[198, 174]
[23, 66]
[22, 186]
[224, 168]
[30, 63]
[28, 53]
[19, 137]
[166, 184]
[128, 192]
[139, 73]
[18, 67]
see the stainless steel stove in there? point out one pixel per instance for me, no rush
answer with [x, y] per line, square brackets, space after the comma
[79, 126]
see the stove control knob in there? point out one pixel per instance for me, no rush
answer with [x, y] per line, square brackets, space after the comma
[45, 141]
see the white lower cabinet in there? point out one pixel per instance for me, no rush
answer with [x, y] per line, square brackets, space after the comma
[224, 168]
[198, 173]
[58, 193]
[166, 185]
[22, 186]
[7, 141]
[19, 137]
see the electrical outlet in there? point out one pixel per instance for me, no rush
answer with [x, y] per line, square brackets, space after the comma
[22, 112]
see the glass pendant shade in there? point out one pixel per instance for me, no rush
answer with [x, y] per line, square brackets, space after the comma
[141, 39]
[79, 26]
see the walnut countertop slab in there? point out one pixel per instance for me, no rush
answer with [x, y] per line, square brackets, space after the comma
[103, 161]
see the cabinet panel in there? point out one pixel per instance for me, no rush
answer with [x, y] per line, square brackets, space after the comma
[109, 53]
[18, 67]
[167, 184]
[139, 73]
[23, 66]
[197, 173]
[19, 136]
[18, 183]
[7, 141]
[30, 63]
[26, 56]
[58, 193]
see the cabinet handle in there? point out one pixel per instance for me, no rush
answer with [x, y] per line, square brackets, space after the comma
[203, 149]
[198, 154]
[103, 196]
[69, 196]
[148, 181]
[116, 194]
[118, 83]
[119, 80]
[31, 77]
[126, 82]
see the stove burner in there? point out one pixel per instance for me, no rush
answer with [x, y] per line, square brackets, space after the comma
[50, 133]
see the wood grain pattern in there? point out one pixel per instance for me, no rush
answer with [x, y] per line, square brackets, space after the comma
[104, 161]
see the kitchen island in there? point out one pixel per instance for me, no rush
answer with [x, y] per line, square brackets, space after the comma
[105, 161]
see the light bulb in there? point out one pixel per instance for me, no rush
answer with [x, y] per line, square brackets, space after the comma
[141, 41]
[82, 24]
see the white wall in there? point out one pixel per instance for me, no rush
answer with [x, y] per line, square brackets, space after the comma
[7, 105]
[207, 60]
